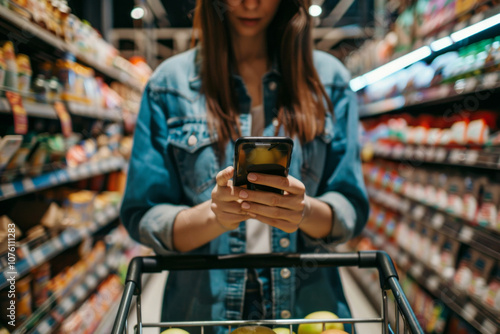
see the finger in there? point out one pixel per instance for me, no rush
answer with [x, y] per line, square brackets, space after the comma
[226, 194]
[224, 176]
[283, 225]
[292, 202]
[289, 184]
[229, 207]
[272, 212]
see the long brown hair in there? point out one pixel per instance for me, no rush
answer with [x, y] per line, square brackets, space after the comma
[302, 98]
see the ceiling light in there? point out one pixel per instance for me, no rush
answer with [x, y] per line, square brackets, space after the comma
[315, 10]
[475, 28]
[137, 13]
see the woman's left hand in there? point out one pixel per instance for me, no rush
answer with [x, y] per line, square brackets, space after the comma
[286, 211]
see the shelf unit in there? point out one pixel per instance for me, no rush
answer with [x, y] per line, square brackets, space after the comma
[27, 28]
[45, 110]
[483, 158]
[475, 313]
[56, 245]
[443, 93]
[59, 177]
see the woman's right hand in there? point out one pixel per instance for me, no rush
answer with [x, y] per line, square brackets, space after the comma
[226, 204]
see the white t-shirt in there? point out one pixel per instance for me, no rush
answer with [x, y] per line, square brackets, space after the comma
[258, 234]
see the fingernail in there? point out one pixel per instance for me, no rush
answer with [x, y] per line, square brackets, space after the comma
[243, 194]
[252, 177]
[245, 205]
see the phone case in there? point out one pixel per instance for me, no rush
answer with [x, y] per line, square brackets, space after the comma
[267, 155]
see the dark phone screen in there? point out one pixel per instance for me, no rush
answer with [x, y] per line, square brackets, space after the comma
[261, 157]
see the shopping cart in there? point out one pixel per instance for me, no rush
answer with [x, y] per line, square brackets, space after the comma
[404, 318]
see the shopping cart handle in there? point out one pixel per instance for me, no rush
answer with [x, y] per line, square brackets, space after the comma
[366, 259]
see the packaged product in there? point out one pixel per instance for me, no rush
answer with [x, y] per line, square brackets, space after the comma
[24, 73]
[3, 68]
[481, 270]
[7, 224]
[459, 326]
[441, 191]
[79, 208]
[448, 258]
[491, 296]
[455, 192]
[437, 241]
[471, 197]
[40, 89]
[490, 200]
[11, 80]
[8, 147]
[41, 278]
[24, 299]
[463, 276]
[459, 132]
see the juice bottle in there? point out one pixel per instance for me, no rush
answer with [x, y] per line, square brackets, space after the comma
[24, 73]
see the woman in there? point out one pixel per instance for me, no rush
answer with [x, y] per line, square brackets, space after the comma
[253, 73]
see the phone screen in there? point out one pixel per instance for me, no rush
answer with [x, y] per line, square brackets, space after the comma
[267, 155]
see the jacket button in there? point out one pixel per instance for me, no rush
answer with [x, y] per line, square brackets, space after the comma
[285, 314]
[284, 242]
[285, 273]
[273, 85]
[275, 122]
[192, 140]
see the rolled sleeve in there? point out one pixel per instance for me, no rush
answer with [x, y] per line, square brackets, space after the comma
[155, 227]
[344, 216]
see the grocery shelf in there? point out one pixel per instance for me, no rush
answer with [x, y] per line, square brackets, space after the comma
[483, 158]
[56, 245]
[45, 110]
[471, 310]
[30, 29]
[59, 177]
[482, 239]
[443, 93]
[92, 280]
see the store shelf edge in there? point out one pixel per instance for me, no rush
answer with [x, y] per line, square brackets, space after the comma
[58, 244]
[59, 177]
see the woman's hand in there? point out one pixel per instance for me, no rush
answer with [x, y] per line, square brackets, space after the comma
[286, 211]
[226, 204]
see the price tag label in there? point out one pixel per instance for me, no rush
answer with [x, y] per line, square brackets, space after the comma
[466, 234]
[44, 327]
[64, 117]
[433, 283]
[102, 271]
[490, 80]
[94, 169]
[19, 113]
[79, 292]
[418, 212]
[438, 220]
[38, 256]
[57, 244]
[471, 157]
[66, 305]
[469, 311]
[91, 281]
[417, 270]
[440, 154]
[8, 189]
[489, 326]
[457, 156]
[28, 185]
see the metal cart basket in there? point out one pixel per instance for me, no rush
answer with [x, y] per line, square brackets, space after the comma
[404, 318]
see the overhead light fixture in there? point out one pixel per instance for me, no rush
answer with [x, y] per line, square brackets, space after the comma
[421, 53]
[441, 44]
[315, 10]
[475, 28]
[137, 13]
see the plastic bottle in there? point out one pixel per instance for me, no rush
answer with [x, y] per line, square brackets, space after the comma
[24, 73]
[40, 89]
[11, 80]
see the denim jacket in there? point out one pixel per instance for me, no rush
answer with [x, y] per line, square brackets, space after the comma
[173, 167]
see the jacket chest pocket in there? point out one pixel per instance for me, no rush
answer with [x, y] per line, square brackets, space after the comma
[193, 151]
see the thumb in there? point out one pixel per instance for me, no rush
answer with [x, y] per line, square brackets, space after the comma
[224, 176]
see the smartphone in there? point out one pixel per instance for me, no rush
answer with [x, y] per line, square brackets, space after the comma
[266, 155]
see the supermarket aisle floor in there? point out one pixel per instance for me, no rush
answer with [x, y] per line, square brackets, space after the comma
[152, 296]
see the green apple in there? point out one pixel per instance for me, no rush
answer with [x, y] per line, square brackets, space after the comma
[253, 330]
[282, 330]
[317, 328]
[174, 331]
